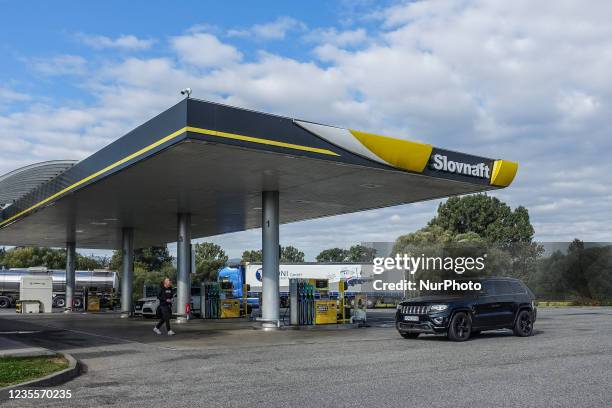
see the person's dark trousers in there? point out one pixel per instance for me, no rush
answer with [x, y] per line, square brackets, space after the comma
[166, 314]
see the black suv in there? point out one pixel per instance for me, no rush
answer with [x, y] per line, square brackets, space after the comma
[502, 303]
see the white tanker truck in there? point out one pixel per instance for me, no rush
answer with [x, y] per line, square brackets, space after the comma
[103, 283]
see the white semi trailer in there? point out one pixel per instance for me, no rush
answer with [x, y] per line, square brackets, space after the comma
[359, 277]
[305, 270]
[103, 283]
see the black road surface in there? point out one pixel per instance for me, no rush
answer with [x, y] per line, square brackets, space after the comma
[567, 363]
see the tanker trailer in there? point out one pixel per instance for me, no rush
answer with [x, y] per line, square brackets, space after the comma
[102, 283]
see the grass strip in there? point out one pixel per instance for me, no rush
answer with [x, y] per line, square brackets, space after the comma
[14, 370]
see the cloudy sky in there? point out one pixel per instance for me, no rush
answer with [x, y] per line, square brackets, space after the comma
[523, 80]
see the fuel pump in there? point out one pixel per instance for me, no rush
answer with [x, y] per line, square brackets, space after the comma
[246, 288]
[229, 307]
[210, 300]
[325, 309]
[344, 312]
[310, 302]
[301, 302]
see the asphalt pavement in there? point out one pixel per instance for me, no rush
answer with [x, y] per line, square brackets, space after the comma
[567, 363]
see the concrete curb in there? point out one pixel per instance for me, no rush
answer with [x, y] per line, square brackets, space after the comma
[73, 370]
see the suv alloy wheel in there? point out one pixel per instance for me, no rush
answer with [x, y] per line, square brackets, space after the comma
[460, 327]
[523, 327]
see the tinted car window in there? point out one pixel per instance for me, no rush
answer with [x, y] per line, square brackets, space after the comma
[507, 287]
[502, 287]
[489, 287]
[516, 287]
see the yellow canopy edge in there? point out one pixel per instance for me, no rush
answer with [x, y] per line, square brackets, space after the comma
[403, 154]
[503, 172]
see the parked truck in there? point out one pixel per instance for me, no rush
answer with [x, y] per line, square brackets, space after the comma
[103, 283]
[358, 276]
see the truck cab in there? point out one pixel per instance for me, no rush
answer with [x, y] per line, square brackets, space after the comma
[236, 275]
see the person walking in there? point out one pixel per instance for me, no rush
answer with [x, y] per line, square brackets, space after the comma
[166, 297]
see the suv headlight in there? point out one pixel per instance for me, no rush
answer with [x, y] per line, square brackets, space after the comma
[398, 307]
[437, 308]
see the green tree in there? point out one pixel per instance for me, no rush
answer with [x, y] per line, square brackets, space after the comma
[144, 277]
[333, 255]
[89, 263]
[434, 241]
[151, 265]
[580, 273]
[27, 257]
[549, 282]
[425, 237]
[209, 258]
[360, 253]
[252, 256]
[575, 273]
[151, 258]
[2, 253]
[473, 226]
[291, 254]
[597, 267]
[480, 224]
[287, 254]
[486, 216]
[115, 261]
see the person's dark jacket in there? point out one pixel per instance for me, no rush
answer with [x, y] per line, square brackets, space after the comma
[164, 294]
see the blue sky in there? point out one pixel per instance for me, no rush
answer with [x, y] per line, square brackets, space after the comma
[39, 29]
[518, 80]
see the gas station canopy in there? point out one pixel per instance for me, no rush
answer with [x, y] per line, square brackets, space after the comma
[214, 161]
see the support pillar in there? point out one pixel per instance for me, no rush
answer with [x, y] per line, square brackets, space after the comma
[270, 305]
[183, 266]
[127, 272]
[70, 275]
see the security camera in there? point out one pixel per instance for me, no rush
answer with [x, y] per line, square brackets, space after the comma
[186, 92]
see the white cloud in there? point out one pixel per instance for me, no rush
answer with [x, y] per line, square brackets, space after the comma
[577, 104]
[9, 95]
[519, 80]
[205, 50]
[275, 30]
[332, 36]
[123, 42]
[59, 65]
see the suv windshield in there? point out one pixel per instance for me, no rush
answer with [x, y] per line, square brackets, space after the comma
[503, 287]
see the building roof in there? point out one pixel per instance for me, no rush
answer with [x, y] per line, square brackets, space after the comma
[214, 160]
[20, 182]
